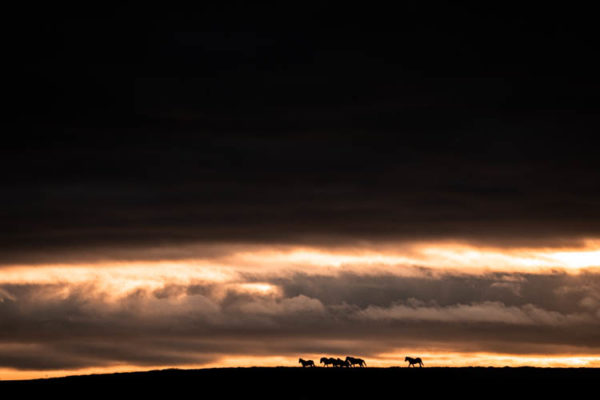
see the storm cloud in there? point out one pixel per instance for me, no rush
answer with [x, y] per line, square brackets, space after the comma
[298, 136]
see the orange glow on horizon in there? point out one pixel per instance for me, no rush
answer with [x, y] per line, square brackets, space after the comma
[430, 359]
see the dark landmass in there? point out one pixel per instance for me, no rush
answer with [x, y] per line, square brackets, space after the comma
[298, 383]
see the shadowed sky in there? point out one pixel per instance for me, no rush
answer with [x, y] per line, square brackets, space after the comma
[391, 180]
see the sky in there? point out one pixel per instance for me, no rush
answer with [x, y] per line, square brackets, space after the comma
[244, 185]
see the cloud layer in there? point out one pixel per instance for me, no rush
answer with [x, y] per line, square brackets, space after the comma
[80, 325]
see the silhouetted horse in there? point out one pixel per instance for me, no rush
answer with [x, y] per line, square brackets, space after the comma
[338, 362]
[413, 361]
[306, 363]
[356, 361]
[327, 361]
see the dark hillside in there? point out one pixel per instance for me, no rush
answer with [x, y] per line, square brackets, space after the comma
[297, 383]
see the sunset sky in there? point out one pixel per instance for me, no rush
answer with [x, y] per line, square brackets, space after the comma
[248, 185]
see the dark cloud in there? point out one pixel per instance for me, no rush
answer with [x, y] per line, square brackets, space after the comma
[73, 326]
[207, 126]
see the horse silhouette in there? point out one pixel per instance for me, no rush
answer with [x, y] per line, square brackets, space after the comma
[327, 361]
[306, 363]
[356, 361]
[338, 362]
[413, 361]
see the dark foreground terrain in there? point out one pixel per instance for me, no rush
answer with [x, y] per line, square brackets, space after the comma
[298, 383]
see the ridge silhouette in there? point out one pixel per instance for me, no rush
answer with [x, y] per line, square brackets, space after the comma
[291, 383]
